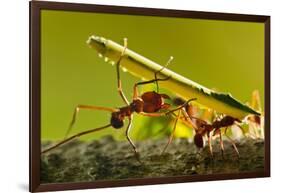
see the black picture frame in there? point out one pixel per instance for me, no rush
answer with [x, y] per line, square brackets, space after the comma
[35, 116]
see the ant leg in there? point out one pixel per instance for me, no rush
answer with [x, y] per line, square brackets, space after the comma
[135, 94]
[166, 113]
[155, 80]
[221, 144]
[185, 118]
[119, 84]
[225, 130]
[189, 120]
[181, 106]
[75, 136]
[255, 130]
[129, 139]
[233, 145]
[210, 144]
[153, 114]
[163, 67]
[246, 134]
[88, 107]
[172, 134]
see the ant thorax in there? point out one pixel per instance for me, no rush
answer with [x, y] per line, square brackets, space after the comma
[137, 105]
[225, 121]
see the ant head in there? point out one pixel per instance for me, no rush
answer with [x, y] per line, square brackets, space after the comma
[137, 105]
[198, 140]
[117, 120]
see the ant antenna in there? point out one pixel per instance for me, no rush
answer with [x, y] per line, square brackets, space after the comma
[75, 136]
[119, 85]
[163, 67]
[125, 44]
[125, 40]
[181, 106]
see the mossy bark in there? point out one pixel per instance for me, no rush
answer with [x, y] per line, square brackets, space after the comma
[107, 159]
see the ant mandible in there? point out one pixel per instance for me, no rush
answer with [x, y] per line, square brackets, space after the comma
[148, 104]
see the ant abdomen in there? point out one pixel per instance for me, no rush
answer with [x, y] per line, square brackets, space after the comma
[116, 120]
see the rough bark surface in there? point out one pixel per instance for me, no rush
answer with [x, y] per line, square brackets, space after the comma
[107, 159]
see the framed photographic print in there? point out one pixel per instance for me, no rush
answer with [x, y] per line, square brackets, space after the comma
[123, 96]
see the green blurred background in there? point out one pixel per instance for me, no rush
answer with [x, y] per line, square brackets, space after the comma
[224, 55]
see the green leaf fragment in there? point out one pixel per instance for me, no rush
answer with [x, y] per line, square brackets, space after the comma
[144, 68]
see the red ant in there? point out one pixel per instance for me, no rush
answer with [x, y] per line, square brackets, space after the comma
[148, 104]
[205, 129]
[202, 128]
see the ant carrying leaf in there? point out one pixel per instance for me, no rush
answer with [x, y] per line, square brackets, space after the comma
[148, 104]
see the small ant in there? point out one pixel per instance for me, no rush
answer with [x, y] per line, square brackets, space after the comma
[202, 128]
[148, 104]
[205, 129]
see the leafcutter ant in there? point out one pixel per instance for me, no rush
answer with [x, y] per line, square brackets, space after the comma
[214, 129]
[203, 128]
[148, 104]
